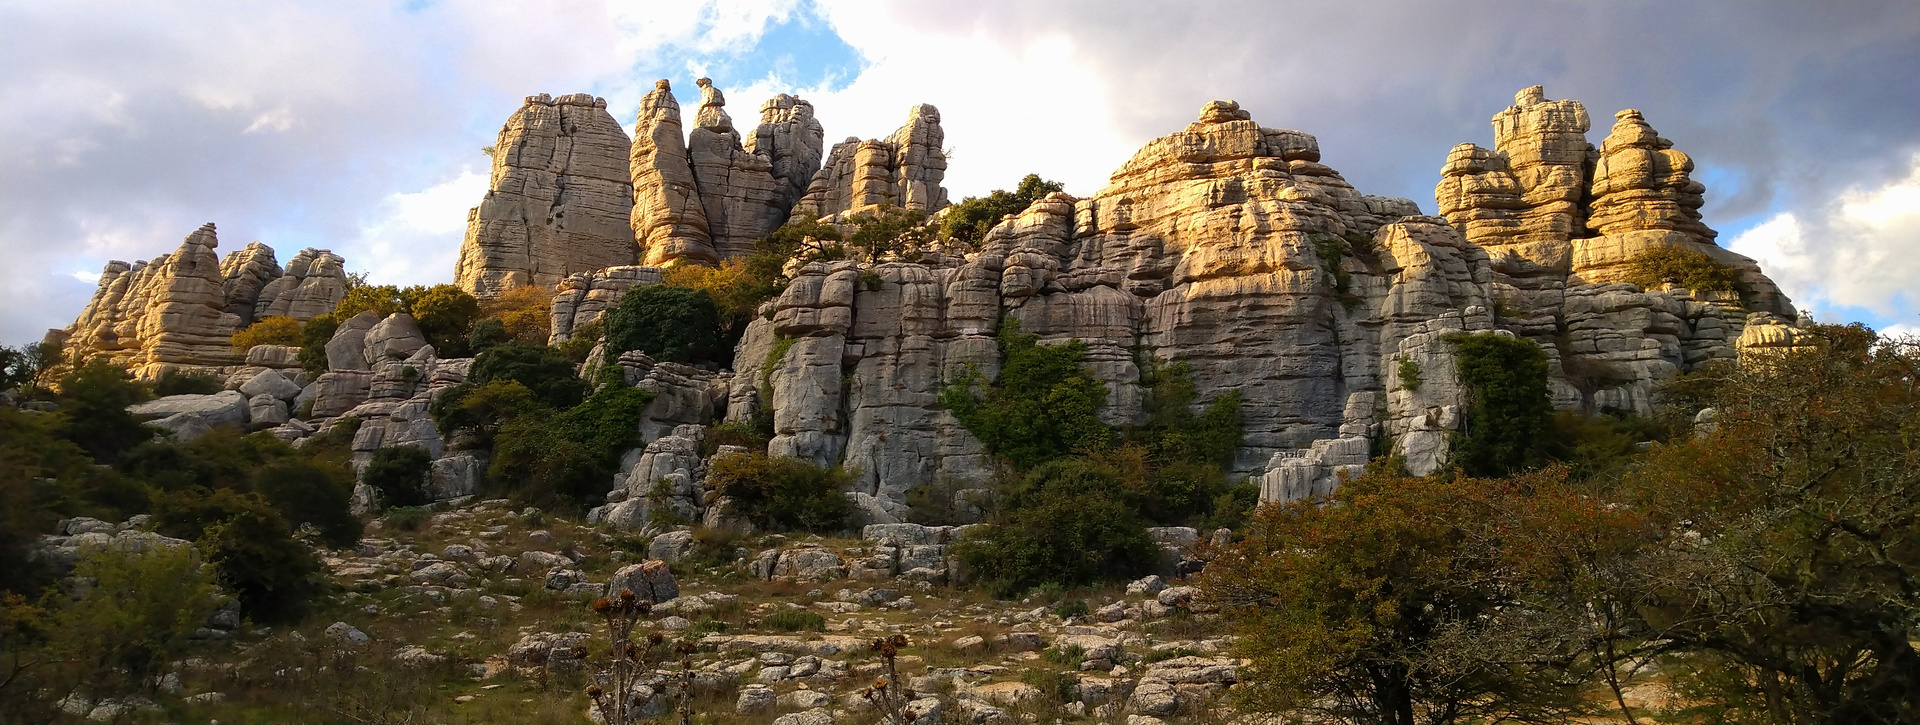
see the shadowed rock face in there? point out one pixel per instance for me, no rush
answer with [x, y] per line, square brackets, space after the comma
[181, 309]
[558, 202]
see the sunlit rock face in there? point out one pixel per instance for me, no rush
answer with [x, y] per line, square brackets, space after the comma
[558, 201]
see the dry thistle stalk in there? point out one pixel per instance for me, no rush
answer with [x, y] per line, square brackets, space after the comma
[887, 693]
[614, 690]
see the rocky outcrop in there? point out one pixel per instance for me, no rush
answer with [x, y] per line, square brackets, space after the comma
[314, 283]
[708, 196]
[558, 200]
[1229, 247]
[904, 170]
[668, 219]
[180, 310]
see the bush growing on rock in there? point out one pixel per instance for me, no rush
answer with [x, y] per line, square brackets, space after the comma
[313, 342]
[968, 222]
[180, 382]
[1043, 406]
[667, 323]
[274, 330]
[544, 371]
[781, 493]
[523, 312]
[566, 459]
[276, 577]
[1069, 521]
[1684, 268]
[1509, 416]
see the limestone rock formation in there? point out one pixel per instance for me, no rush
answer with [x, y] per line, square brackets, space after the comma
[904, 170]
[558, 201]
[314, 283]
[1231, 248]
[668, 219]
[791, 139]
[167, 313]
[707, 196]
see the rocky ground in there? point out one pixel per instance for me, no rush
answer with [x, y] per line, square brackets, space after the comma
[479, 614]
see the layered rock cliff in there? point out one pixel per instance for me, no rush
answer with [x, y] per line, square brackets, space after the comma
[902, 170]
[180, 310]
[1230, 247]
[558, 200]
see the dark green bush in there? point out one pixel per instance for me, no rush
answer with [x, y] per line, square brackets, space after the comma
[446, 315]
[93, 404]
[794, 620]
[566, 459]
[487, 333]
[1070, 608]
[307, 493]
[1045, 404]
[399, 474]
[781, 493]
[1071, 521]
[734, 434]
[1409, 371]
[666, 322]
[473, 414]
[543, 370]
[275, 576]
[1509, 417]
[181, 382]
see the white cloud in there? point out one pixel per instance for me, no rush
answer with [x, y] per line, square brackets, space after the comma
[416, 236]
[1861, 248]
[85, 276]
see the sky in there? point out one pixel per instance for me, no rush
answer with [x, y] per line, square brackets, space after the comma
[358, 126]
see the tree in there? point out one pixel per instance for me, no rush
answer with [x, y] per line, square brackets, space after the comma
[1068, 521]
[446, 315]
[889, 231]
[252, 546]
[968, 222]
[1789, 586]
[1383, 605]
[667, 323]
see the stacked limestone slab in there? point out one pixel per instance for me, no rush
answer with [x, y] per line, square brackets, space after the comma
[903, 170]
[557, 202]
[180, 310]
[1562, 221]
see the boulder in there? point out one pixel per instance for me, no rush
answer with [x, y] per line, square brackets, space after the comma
[648, 580]
[225, 408]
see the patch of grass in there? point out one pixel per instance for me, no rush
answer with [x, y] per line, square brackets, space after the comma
[1071, 608]
[794, 620]
[407, 518]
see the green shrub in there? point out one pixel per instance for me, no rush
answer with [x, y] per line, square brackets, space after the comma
[487, 333]
[272, 330]
[580, 344]
[888, 230]
[543, 370]
[968, 222]
[666, 322]
[313, 342]
[1070, 521]
[1045, 404]
[782, 493]
[406, 518]
[734, 434]
[1070, 608]
[182, 382]
[1509, 416]
[399, 474]
[1173, 434]
[275, 576]
[1682, 267]
[472, 414]
[1409, 371]
[566, 459]
[93, 406]
[119, 637]
[794, 620]
[308, 493]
